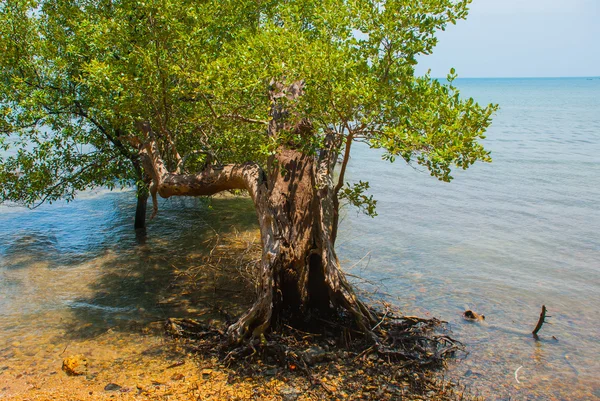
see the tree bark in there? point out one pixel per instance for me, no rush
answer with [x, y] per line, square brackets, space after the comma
[300, 270]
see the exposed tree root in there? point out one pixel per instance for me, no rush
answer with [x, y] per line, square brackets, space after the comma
[398, 359]
[254, 322]
[402, 361]
[410, 340]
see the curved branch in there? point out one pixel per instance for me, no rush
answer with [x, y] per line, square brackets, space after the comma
[212, 180]
[248, 176]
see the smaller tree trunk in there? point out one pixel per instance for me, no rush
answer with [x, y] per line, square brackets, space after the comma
[142, 194]
[140, 210]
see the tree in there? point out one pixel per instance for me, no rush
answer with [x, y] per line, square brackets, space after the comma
[189, 98]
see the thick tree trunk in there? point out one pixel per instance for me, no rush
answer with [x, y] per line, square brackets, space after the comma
[300, 270]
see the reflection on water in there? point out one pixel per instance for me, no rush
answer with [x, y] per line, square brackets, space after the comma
[502, 239]
[108, 275]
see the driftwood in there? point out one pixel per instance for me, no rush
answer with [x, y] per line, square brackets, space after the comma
[470, 315]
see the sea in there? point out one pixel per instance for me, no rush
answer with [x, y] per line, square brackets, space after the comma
[502, 239]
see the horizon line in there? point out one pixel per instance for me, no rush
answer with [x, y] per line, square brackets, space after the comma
[528, 77]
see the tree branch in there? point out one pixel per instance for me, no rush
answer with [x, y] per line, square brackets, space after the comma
[115, 141]
[64, 181]
[245, 119]
[340, 183]
[349, 138]
[211, 180]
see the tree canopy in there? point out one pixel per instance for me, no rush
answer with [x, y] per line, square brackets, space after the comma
[76, 76]
[191, 98]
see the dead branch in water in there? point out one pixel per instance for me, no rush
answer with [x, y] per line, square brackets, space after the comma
[540, 322]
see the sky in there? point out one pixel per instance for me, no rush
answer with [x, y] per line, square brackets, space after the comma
[520, 38]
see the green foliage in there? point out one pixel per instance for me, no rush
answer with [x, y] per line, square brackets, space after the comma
[76, 75]
[354, 195]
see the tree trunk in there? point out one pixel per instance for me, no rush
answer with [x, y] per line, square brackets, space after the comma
[296, 206]
[140, 210]
[142, 195]
[300, 270]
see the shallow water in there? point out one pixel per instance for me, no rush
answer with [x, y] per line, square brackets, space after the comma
[75, 279]
[501, 239]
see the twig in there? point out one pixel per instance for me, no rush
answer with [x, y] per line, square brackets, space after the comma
[540, 322]
[371, 348]
[305, 333]
[232, 116]
[381, 321]
[361, 259]
[516, 374]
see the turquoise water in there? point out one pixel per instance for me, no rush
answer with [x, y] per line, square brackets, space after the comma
[501, 239]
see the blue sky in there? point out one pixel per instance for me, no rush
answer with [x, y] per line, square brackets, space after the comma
[521, 38]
